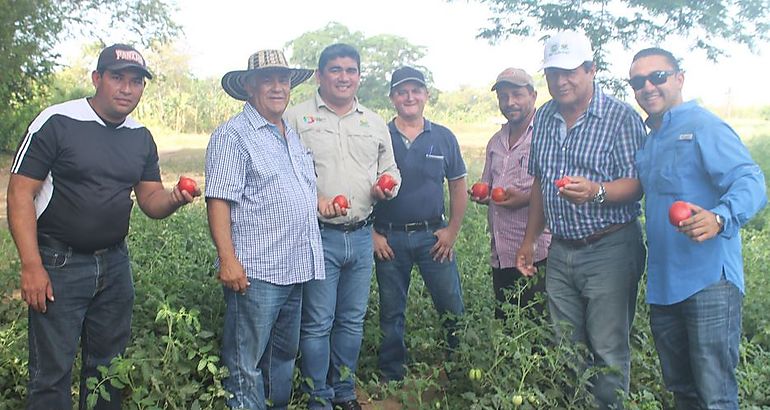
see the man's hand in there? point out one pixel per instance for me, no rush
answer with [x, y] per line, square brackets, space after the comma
[579, 190]
[179, 197]
[700, 227]
[442, 249]
[36, 287]
[381, 195]
[382, 250]
[232, 275]
[482, 201]
[514, 199]
[525, 259]
[328, 209]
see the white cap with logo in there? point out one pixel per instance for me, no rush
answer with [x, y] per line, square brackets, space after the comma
[567, 50]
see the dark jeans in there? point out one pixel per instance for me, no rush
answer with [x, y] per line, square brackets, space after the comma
[697, 342]
[504, 283]
[442, 280]
[94, 295]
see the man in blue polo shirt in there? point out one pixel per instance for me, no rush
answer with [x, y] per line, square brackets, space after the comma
[411, 229]
[695, 270]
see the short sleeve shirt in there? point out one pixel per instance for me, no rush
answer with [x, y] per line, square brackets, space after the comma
[270, 186]
[349, 152]
[430, 159]
[89, 169]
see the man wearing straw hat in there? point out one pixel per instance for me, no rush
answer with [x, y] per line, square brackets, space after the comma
[351, 150]
[261, 199]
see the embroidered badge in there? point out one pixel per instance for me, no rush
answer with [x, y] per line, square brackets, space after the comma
[364, 123]
[308, 119]
[685, 137]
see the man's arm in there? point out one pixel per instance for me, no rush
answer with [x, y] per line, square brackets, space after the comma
[231, 272]
[535, 226]
[157, 203]
[22, 221]
[458, 203]
[581, 190]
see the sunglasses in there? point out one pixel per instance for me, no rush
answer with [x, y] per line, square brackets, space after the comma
[655, 78]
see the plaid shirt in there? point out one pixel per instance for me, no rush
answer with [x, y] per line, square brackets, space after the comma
[600, 147]
[270, 184]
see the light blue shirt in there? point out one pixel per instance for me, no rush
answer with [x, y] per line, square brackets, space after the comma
[270, 184]
[696, 157]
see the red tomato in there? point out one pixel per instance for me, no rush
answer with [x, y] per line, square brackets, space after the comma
[386, 182]
[341, 201]
[678, 212]
[498, 194]
[480, 190]
[187, 184]
[562, 182]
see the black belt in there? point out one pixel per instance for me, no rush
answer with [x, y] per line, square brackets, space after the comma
[593, 238]
[55, 244]
[411, 227]
[348, 227]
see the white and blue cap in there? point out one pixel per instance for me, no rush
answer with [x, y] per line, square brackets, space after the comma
[567, 50]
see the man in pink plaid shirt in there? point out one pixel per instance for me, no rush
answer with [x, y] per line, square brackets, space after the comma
[507, 156]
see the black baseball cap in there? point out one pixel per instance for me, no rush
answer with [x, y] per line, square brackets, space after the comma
[120, 56]
[405, 74]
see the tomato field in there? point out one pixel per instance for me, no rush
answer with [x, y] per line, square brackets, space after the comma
[173, 359]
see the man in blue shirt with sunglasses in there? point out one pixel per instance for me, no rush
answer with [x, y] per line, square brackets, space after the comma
[695, 269]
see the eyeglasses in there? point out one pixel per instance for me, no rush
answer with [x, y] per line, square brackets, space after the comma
[655, 78]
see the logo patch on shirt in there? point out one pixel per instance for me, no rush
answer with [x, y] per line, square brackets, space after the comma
[309, 119]
[685, 137]
[364, 123]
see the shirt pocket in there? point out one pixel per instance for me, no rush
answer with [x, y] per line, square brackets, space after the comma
[433, 166]
[364, 149]
[321, 143]
[676, 168]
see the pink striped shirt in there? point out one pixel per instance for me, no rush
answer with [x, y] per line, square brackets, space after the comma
[506, 167]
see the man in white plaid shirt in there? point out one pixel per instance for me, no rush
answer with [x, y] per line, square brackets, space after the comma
[262, 201]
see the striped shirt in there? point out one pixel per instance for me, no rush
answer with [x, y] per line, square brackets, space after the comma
[270, 185]
[600, 147]
[506, 166]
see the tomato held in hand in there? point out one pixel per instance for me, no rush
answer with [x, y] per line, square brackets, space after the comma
[498, 194]
[480, 190]
[187, 184]
[562, 182]
[342, 201]
[386, 182]
[678, 212]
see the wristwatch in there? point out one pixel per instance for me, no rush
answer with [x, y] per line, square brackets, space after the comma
[600, 196]
[720, 222]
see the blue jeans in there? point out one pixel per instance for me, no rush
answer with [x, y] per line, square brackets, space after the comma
[333, 312]
[260, 343]
[94, 296]
[697, 342]
[441, 279]
[593, 289]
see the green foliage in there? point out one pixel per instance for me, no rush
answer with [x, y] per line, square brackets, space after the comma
[380, 56]
[709, 24]
[29, 31]
[173, 361]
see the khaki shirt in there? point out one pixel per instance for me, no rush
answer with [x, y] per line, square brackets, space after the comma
[350, 152]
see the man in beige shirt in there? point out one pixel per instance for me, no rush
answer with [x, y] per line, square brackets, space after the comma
[351, 148]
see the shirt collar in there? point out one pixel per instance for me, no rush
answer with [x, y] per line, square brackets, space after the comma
[319, 102]
[255, 118]
[426, 126]
[676, 111]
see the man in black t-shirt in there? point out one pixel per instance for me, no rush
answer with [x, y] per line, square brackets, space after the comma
[68, 210]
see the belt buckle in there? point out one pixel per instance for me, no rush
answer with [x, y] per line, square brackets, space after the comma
[414, 226]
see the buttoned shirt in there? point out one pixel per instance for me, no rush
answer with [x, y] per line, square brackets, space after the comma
[425, 163]
[506, 166]
[349, 151]
[696, 157]
[600, 146]
[270, 185]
